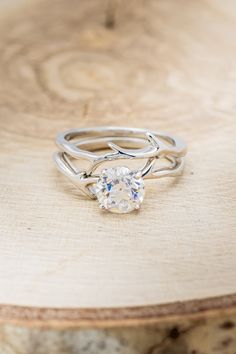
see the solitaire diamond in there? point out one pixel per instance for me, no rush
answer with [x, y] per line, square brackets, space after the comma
[120, 190]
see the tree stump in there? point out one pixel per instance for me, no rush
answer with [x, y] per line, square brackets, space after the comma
[74, 280]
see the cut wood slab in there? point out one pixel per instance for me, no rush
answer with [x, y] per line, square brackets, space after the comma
[72, 278]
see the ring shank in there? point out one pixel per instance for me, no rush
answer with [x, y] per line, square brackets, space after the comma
[90, 144]
[65, 142]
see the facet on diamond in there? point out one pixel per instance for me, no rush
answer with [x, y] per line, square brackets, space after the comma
[119, 189]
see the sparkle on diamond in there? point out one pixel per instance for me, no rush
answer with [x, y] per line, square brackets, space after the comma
[119, 190]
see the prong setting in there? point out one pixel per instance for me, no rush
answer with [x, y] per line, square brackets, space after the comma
[120, 190]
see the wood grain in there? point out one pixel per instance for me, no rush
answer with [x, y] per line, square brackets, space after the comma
[163, 65]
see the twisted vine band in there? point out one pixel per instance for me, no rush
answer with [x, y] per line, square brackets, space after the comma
[118, 189]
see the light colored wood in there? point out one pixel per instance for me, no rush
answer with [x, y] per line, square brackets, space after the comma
[163, 65]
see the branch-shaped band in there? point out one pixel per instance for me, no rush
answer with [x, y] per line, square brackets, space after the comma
[123, 143]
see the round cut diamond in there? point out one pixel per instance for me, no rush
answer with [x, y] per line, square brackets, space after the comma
[120, 190]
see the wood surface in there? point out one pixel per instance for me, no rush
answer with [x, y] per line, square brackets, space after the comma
[162, 65]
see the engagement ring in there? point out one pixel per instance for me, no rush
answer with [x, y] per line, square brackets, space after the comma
[118, 188]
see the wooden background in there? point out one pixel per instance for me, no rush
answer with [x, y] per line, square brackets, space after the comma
[163, 65]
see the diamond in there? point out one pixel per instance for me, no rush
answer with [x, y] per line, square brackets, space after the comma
[119, 189]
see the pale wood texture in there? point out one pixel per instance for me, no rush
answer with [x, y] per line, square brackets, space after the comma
[167, 65]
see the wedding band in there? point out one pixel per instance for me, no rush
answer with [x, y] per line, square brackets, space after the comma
[118, 189]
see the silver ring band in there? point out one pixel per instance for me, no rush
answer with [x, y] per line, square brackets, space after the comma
[122, 143]
[167, 144]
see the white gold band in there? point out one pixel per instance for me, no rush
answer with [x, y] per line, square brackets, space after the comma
[124, 143]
